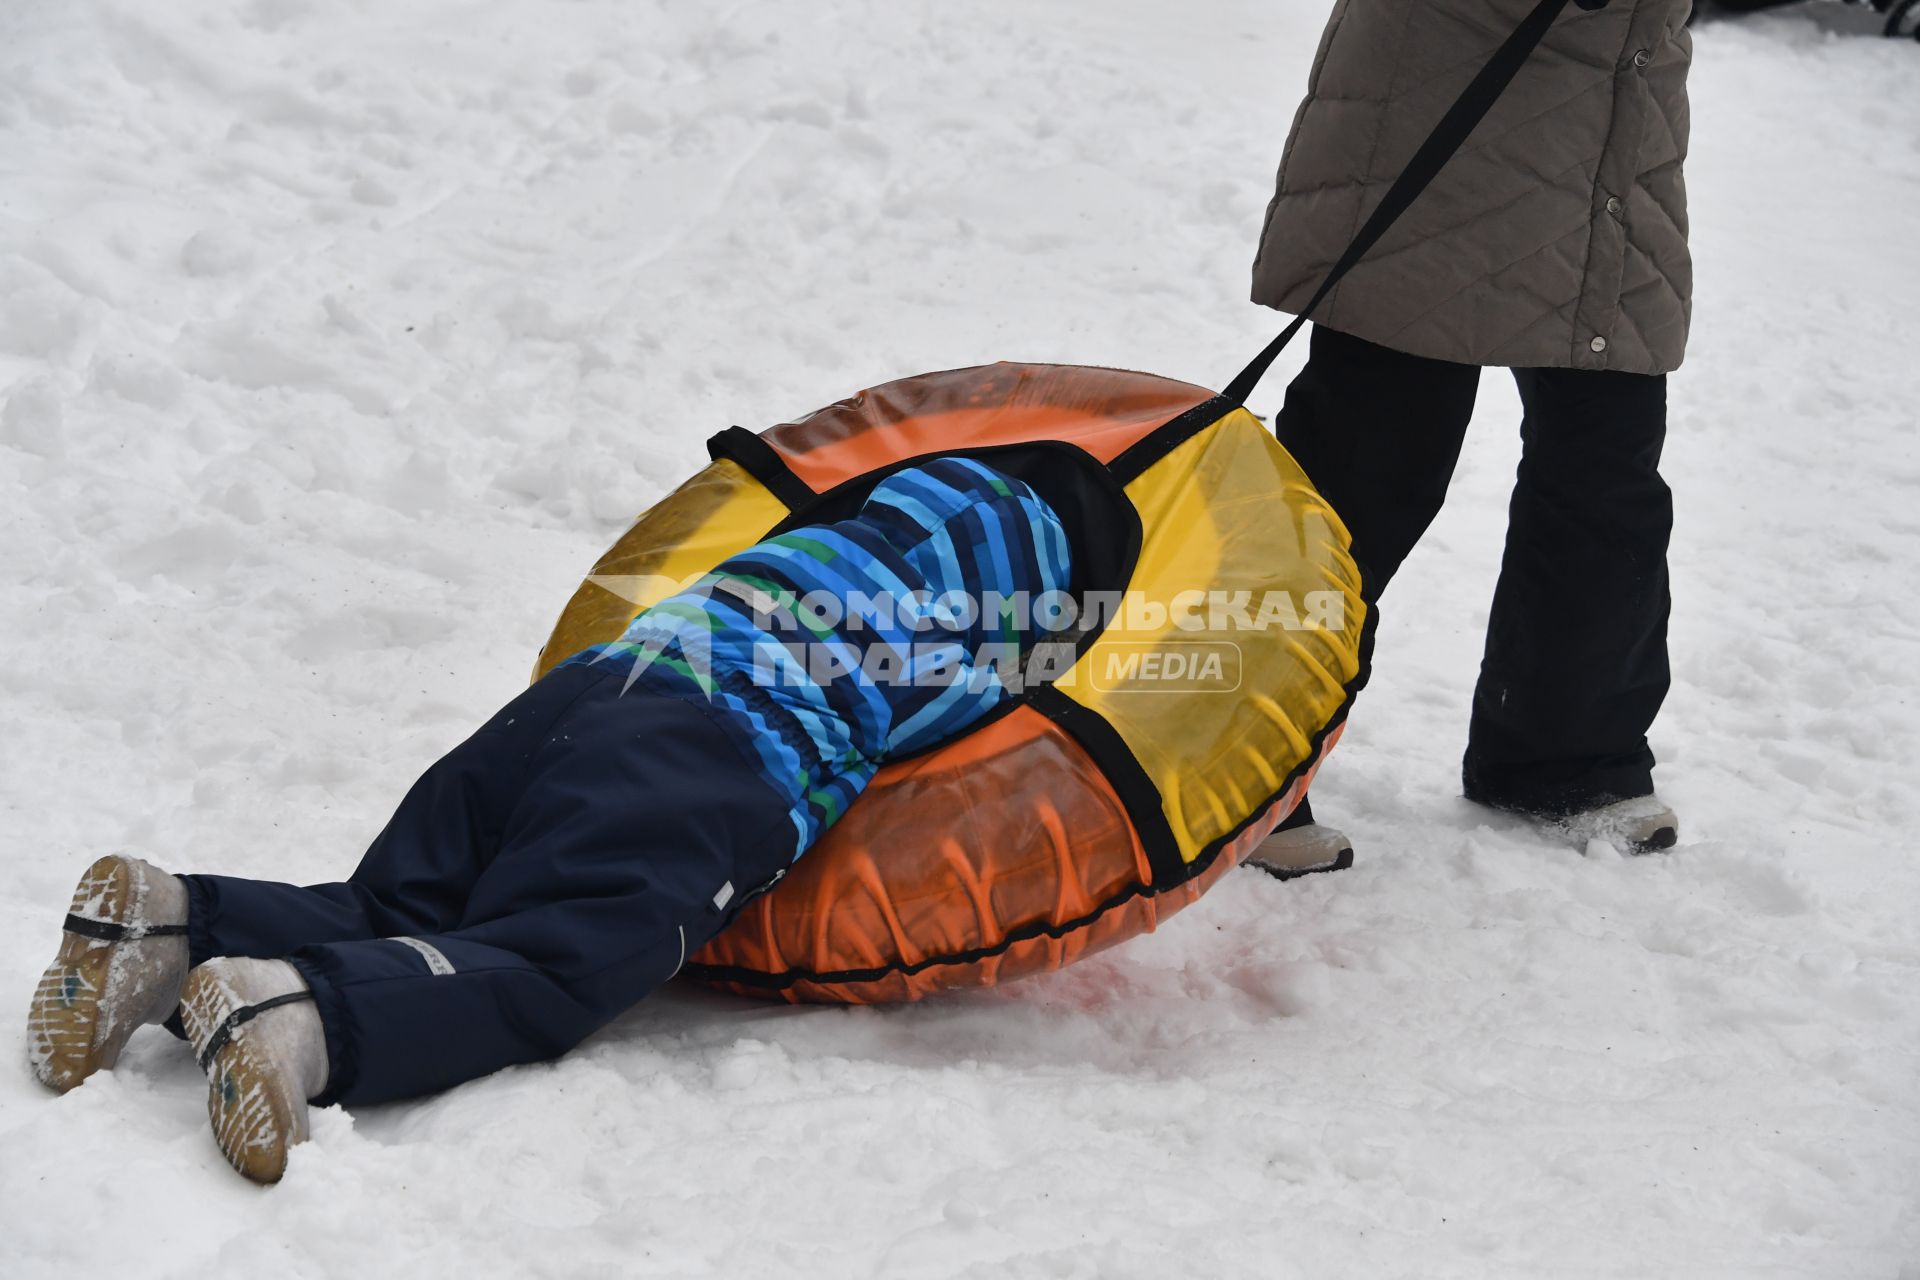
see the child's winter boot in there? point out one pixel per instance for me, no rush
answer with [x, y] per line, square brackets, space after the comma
[259, 1038]
[122, 960]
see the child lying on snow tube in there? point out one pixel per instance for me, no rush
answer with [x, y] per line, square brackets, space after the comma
[561, 863]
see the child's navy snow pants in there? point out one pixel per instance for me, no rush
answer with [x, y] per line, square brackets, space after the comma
[537, 881]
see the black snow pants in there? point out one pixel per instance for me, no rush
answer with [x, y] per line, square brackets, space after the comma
[1575, 666]
[537, 881]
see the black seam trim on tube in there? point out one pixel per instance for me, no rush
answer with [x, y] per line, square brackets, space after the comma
[1167, 437]
[1111, 755]
[763, 462]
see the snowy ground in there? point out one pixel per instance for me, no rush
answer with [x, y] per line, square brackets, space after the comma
[337, 339]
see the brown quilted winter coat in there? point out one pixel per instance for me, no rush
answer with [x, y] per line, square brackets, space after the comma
[1556, 237]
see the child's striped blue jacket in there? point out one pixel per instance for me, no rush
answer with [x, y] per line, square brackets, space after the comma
[818, 694]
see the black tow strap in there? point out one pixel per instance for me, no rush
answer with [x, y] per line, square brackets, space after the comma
[239, 1018]
[1446, 138]
[108, 931]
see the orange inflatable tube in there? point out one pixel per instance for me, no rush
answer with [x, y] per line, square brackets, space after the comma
[1200, 697]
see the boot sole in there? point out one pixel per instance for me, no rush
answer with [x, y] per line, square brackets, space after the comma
[64, 1022]
[1341, 861]
[1659, 842]
[252, 1119]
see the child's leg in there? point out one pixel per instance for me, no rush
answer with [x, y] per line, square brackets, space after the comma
[122, 964]
[636, 830]
[416, 875]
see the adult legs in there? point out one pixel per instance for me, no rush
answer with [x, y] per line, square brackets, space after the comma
[1576, 658]
[1379, 433]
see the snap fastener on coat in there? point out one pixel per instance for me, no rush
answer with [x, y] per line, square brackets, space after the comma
[1641, 57]
[1613, 205]
[1598, 344]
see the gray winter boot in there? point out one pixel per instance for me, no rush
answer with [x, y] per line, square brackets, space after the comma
[122, 960]
[259, 1038]
[1644, 824]
[1302, 850]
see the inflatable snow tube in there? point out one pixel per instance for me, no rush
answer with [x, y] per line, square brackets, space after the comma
[1186, 725]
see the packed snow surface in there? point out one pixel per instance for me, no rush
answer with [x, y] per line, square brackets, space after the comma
[336, 339]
